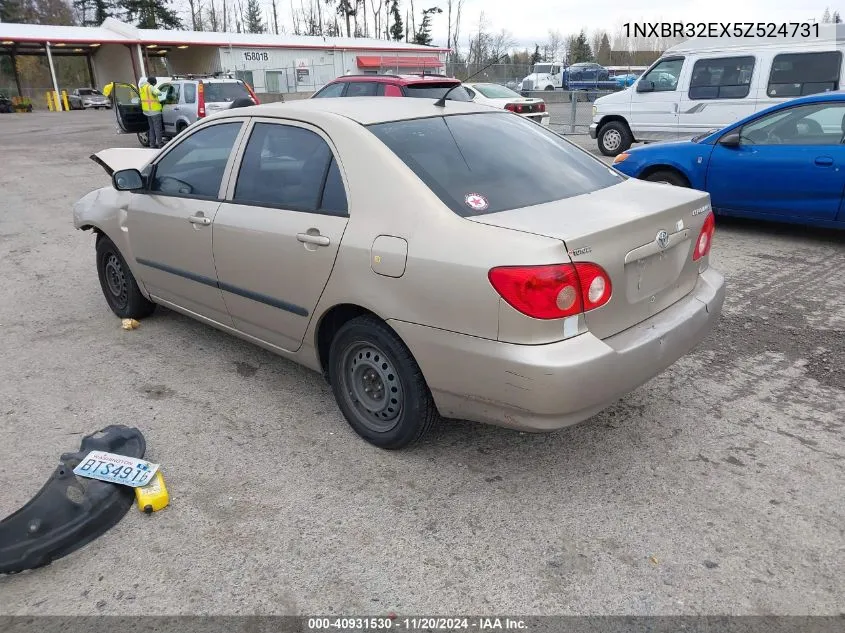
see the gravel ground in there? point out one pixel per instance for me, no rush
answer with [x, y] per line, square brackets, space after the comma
[716, 488]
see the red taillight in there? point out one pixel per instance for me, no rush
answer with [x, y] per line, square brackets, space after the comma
[200, 100]
[705, 238]
[519, 108]
[554, 291]
[511, 107]
[252, 94]
[541, 107]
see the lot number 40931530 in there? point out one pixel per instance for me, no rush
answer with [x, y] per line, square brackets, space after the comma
[256, 56]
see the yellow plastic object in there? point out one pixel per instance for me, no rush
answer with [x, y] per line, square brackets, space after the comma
[154, 496]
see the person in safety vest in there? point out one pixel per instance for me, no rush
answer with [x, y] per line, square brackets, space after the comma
[151, 98]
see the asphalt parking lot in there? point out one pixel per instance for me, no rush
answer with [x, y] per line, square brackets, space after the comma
[716, 488]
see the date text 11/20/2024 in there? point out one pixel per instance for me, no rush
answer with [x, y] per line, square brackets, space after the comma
[416, 624]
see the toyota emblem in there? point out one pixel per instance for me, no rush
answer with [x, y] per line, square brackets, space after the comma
[662, 239]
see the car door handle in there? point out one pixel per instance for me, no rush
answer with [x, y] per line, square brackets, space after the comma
[319, 240]
[199, 219]
[824, 161]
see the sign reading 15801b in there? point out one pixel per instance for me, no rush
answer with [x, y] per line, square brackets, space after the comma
[256, 56]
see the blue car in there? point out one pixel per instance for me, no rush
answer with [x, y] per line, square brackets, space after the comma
[785, 163]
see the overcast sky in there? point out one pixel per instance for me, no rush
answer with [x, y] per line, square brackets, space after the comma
[530, 20]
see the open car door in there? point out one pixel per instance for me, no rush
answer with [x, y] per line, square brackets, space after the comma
[127, 108]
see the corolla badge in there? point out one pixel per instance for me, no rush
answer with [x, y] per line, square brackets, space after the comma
[662, 239]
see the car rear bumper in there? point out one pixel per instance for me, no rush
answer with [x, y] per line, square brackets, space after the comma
[546, 387]
[594, 128]
[542, 119]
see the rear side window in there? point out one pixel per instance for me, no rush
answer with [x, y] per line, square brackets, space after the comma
[797, 74]
[362, 89]
[190, 92]
[220, 92]
[332, 90]
[723, 78]
[461, 159]
[289, 167]
[392, 91]
[435, 90]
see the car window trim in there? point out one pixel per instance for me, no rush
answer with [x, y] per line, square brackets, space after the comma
[226, 170]
[236, 167]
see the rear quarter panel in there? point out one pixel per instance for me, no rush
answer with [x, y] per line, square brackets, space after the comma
[445, 282]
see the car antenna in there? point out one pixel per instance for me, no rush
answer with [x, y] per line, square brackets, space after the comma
[441, 102]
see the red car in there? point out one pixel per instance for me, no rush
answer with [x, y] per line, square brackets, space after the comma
[424, 86]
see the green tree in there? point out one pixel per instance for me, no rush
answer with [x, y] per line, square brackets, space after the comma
[836, 18]
[397, 29]
[13, 11]
[826, 15]
[423, 34]
[347, 9]
[253, 22]
[579, 49]
[151, 14]
[536, 57]
[603, 54]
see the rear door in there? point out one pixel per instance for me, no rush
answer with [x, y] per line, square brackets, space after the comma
[790, 162]
[170, 107]
[127, 108]
[719, 93]
[277, 236]
[169, 224]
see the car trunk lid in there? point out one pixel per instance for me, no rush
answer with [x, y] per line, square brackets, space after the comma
[621, 229]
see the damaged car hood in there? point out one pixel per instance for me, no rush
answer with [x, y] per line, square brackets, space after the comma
[117, 158]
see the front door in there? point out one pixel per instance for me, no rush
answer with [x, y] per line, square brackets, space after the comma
[654, 104]
[127, 108]
[276, 241]
[170, 224]
[789, 163]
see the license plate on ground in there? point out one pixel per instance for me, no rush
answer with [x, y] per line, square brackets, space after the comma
[117, 469]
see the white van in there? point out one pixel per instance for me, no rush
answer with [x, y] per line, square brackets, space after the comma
[707, 83]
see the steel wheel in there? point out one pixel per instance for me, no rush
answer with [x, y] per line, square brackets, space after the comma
[371, 387]
[116, 281]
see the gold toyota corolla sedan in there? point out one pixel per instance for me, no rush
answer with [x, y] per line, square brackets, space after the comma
[431, 261]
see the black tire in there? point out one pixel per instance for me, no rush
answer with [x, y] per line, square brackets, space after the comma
[180, 127]
[669, 177]
[378, 385]
[144, 138]
[549, 88]
[118, 284]
[614, 138]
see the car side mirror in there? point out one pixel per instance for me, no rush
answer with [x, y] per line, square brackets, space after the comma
[127, 180]
[645, 86]
[731, 139]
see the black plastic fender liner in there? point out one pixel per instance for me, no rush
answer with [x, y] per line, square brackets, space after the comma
[69, 511]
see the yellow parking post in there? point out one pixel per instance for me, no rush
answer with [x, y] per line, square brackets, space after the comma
[64, 100]
[49, 101]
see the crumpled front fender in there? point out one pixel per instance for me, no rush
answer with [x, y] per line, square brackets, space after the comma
[69, 511]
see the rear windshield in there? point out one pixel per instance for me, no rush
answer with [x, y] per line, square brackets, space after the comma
[495, 91]
[484, 163]
[435, 90]
[224, 92]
